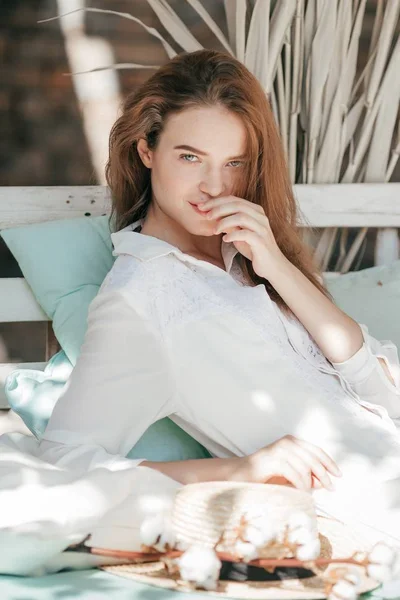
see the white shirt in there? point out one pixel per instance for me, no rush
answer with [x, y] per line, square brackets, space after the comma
[173, 336]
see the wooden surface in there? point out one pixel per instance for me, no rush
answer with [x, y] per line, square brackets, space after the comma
[17, 302]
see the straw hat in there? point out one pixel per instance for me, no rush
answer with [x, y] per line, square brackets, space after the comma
[257, 541]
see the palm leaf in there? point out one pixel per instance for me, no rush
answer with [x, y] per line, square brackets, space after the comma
[240, 28]
[258, 39]
[199, 8]
[379, 148]
[175, 26]
[169, 50]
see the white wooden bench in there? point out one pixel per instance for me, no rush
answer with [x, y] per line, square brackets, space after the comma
[333, 205]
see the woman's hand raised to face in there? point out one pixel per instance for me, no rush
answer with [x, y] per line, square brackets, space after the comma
[246, 225]
[291, 460]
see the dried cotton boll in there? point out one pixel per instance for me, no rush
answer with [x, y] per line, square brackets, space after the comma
[259, 530]
[301, 535]
[156, 531]
[309, 551]
[353, 578]
[383, 554]
[382, 560]
[343, 590]
[200, 566]
[245, 550]
[298, 524]
[380, 573]
[182, 545]
[259, 535]
[301, 519]
[346, 588]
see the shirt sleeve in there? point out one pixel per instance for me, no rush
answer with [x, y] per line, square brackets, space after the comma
[365, 374]
[120, 385]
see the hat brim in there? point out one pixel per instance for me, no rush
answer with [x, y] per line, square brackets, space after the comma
[338, 541]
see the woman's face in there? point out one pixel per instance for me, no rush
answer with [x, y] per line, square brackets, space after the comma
[208, 167]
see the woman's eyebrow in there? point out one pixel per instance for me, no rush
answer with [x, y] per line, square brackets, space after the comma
[191, 149]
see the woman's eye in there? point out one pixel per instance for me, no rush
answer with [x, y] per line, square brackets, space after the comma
[185, 157]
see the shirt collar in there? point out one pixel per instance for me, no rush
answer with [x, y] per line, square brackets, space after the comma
[147, 247]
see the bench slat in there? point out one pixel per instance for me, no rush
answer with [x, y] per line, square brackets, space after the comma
[26, 205]
[18, 302]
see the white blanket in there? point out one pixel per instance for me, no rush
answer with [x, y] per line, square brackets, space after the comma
[44, 508]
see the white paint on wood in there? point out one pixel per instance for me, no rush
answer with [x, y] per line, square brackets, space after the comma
[387, 247]
[26, 205]
[350, 205]
[18, 302]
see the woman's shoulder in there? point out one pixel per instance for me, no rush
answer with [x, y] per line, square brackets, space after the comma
[126, 287]
[126, 271]
[144, 280]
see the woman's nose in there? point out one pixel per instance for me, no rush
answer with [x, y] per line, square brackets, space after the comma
[213, 184]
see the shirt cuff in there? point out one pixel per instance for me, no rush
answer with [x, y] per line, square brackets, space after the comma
[360, 366]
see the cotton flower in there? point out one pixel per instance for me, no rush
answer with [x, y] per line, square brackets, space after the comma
[302, 532]
[346, 588]
[246, 550]
[382, 559]
[259, 530]
[309, 551]
[301, 535]
[200, 566]
[300, 519]
[156, 531]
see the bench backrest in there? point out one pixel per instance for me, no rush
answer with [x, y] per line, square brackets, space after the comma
[331, 205]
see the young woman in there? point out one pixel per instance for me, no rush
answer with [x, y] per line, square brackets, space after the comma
[215, 316]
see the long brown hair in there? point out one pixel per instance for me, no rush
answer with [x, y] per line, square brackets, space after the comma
[207, 78]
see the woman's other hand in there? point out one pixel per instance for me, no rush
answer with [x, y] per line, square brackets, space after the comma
[291, 460]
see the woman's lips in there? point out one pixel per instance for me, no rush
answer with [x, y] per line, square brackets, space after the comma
[200, 212]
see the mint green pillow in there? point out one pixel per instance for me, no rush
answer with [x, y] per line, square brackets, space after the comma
[371, 296]
[65, 262]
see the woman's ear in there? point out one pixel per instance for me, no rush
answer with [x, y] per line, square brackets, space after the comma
[145, 154]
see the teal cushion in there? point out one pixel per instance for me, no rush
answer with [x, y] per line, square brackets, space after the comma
[32, 394]
[65, 262]
[371, 296]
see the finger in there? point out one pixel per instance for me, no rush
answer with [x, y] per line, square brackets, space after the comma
[240, 220]
[315, 483]
[286, 470]
[228, 205]
[243, 235]
[314, 464]
[326, 460]
[302, 467]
